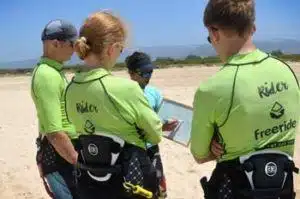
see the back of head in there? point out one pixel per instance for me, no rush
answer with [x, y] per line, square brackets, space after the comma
[237, 15]
[58, 37]
[136, 59]
[99, 30]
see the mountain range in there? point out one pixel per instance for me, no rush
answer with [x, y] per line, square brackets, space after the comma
[287, 46]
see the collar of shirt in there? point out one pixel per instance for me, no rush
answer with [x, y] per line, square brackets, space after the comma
[52, 63]
[91, 75]
[250, 57]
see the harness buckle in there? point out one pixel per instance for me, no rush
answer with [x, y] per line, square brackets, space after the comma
[137, 190]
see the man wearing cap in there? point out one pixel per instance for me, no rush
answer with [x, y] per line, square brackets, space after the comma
[56, 154]
[140, 68]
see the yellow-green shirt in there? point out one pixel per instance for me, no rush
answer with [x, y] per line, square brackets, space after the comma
[254, 103]
[47, 91]
[97, 101]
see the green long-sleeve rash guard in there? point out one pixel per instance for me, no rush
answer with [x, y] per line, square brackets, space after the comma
[254, 103]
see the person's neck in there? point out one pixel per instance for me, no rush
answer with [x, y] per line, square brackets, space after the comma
[52, 57]
[241, 47]
[93, 64]
[142, 87]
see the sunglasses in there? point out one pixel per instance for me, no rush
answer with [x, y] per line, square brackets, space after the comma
[144, 74]
[208, 39]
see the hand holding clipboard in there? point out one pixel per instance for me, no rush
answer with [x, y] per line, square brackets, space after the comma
[170, 127]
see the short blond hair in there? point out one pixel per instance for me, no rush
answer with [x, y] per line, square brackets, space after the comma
[99, 30]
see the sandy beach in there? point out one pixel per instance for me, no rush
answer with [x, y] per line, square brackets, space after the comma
[19, 176]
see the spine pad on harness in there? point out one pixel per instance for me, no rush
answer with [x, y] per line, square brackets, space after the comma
[260, 176]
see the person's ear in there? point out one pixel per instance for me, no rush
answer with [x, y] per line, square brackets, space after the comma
[110, 50]
[58, 44]
[253, 29]
[215, 36]
[55, 43]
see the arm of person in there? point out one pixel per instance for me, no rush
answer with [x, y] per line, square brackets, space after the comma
[63, 145]
[202, 128]
[147, 119]
[47, 90]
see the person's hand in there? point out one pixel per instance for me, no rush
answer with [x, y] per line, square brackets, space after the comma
[216, 148]
[170, 125]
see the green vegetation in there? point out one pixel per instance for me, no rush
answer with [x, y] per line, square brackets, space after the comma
[166, 62]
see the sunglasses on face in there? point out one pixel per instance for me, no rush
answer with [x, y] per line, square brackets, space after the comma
[145, 74]
[208, 39]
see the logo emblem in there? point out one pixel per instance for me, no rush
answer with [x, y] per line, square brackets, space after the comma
[93, 149]
[89, 127]
[271, 169]
[277, 111]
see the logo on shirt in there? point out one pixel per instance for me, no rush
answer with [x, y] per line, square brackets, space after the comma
[271, 88]
[84, 107]
[280, 128]
[93, 149]
[277, 111]
[270, 169]
[89, 127]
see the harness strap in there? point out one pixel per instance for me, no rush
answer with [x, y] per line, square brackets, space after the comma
[111, 169]
[261, 194]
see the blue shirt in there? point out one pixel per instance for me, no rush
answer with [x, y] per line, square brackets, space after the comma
[155, 99]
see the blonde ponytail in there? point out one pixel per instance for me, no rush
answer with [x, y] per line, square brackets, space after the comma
[82, 48]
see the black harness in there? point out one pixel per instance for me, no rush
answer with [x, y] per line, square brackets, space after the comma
[262, 175]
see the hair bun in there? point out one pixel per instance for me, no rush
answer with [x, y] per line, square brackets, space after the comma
[82, 48]
[83, 39]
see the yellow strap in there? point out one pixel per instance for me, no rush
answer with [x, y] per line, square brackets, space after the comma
[138, 190]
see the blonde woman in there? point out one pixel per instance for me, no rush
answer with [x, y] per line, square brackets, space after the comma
[112, 116]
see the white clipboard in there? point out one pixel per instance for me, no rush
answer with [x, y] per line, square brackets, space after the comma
[171, 109]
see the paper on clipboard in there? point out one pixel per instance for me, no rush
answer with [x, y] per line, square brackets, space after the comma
[183, 113]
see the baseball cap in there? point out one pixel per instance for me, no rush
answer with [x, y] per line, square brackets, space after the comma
[144, 67]
[59, 29]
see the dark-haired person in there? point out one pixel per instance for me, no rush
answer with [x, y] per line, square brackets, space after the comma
[56, 154]
[251, 106]
[140, 68]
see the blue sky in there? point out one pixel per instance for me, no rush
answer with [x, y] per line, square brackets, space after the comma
[152, 23]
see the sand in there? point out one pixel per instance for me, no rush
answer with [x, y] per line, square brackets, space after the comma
[19, 177]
